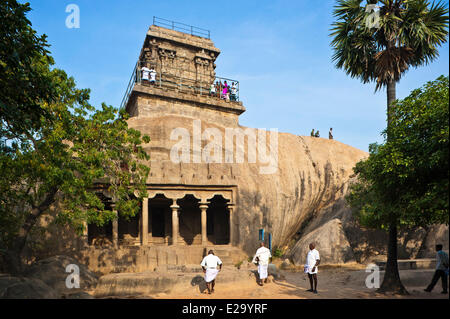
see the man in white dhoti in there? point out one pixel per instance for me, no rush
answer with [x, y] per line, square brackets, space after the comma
[262, 257]
[312, 261]
[209, 265]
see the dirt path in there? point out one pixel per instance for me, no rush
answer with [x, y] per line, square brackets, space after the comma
[333, 284]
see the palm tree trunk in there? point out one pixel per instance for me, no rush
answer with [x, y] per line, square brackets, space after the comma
[391, 97]
[391, 280]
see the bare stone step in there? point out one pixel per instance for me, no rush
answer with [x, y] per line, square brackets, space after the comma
[180, 278]
[404, 264]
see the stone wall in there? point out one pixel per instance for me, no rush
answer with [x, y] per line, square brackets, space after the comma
[177, 55]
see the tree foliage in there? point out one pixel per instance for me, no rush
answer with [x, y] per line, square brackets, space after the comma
[68, 153]
[406, 179]
[25, 76]
[406, 33]
[380, 47]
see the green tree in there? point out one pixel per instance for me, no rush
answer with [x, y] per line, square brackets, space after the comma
[380, 47]
[73, 151]
[407, 177]
[25, 77]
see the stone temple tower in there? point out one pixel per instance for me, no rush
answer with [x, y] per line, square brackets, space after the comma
[190, 204]
[185, 69]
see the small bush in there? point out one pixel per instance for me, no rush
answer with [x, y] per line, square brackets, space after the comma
[277, 253]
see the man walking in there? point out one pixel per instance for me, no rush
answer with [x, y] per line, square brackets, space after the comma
[262, 256]
[330, 133]
[209, 265]
[441, 270]
[312, 263]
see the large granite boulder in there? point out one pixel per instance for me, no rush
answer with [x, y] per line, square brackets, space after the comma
[25, 288]
[436, 234]
[52, 271]
[301, 176]
[330, 241]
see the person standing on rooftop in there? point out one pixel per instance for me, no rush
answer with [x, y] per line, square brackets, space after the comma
[225, 90]
[145, 73]
[212, 90]
[152, 76]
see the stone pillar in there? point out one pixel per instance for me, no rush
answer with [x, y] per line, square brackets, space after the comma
[144, 226]
[204, 207]
[175, 229]
[150, 228]
[230, 211]
[115, 230]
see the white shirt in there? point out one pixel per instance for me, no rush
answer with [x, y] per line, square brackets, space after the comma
[145, 73]
[263, 255]
[233, 89]
[152, 75]
[311, 259]
[211, 261]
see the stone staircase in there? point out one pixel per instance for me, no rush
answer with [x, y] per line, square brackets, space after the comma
[228, 254]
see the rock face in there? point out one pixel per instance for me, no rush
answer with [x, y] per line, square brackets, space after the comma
[308, 175]
[25, 288]
[52, 271]
[437, 234]
[330, 241]
[367, 245]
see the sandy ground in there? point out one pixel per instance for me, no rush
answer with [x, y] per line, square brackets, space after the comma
[334, 283]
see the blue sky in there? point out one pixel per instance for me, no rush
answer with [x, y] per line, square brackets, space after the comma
[278, 50]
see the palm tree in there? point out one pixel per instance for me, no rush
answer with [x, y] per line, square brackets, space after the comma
[380, 46]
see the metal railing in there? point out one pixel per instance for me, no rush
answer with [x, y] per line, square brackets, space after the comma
[185, 28]
[130, 87]
[183, 85]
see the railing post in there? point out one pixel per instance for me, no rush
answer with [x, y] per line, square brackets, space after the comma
[238, 92]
